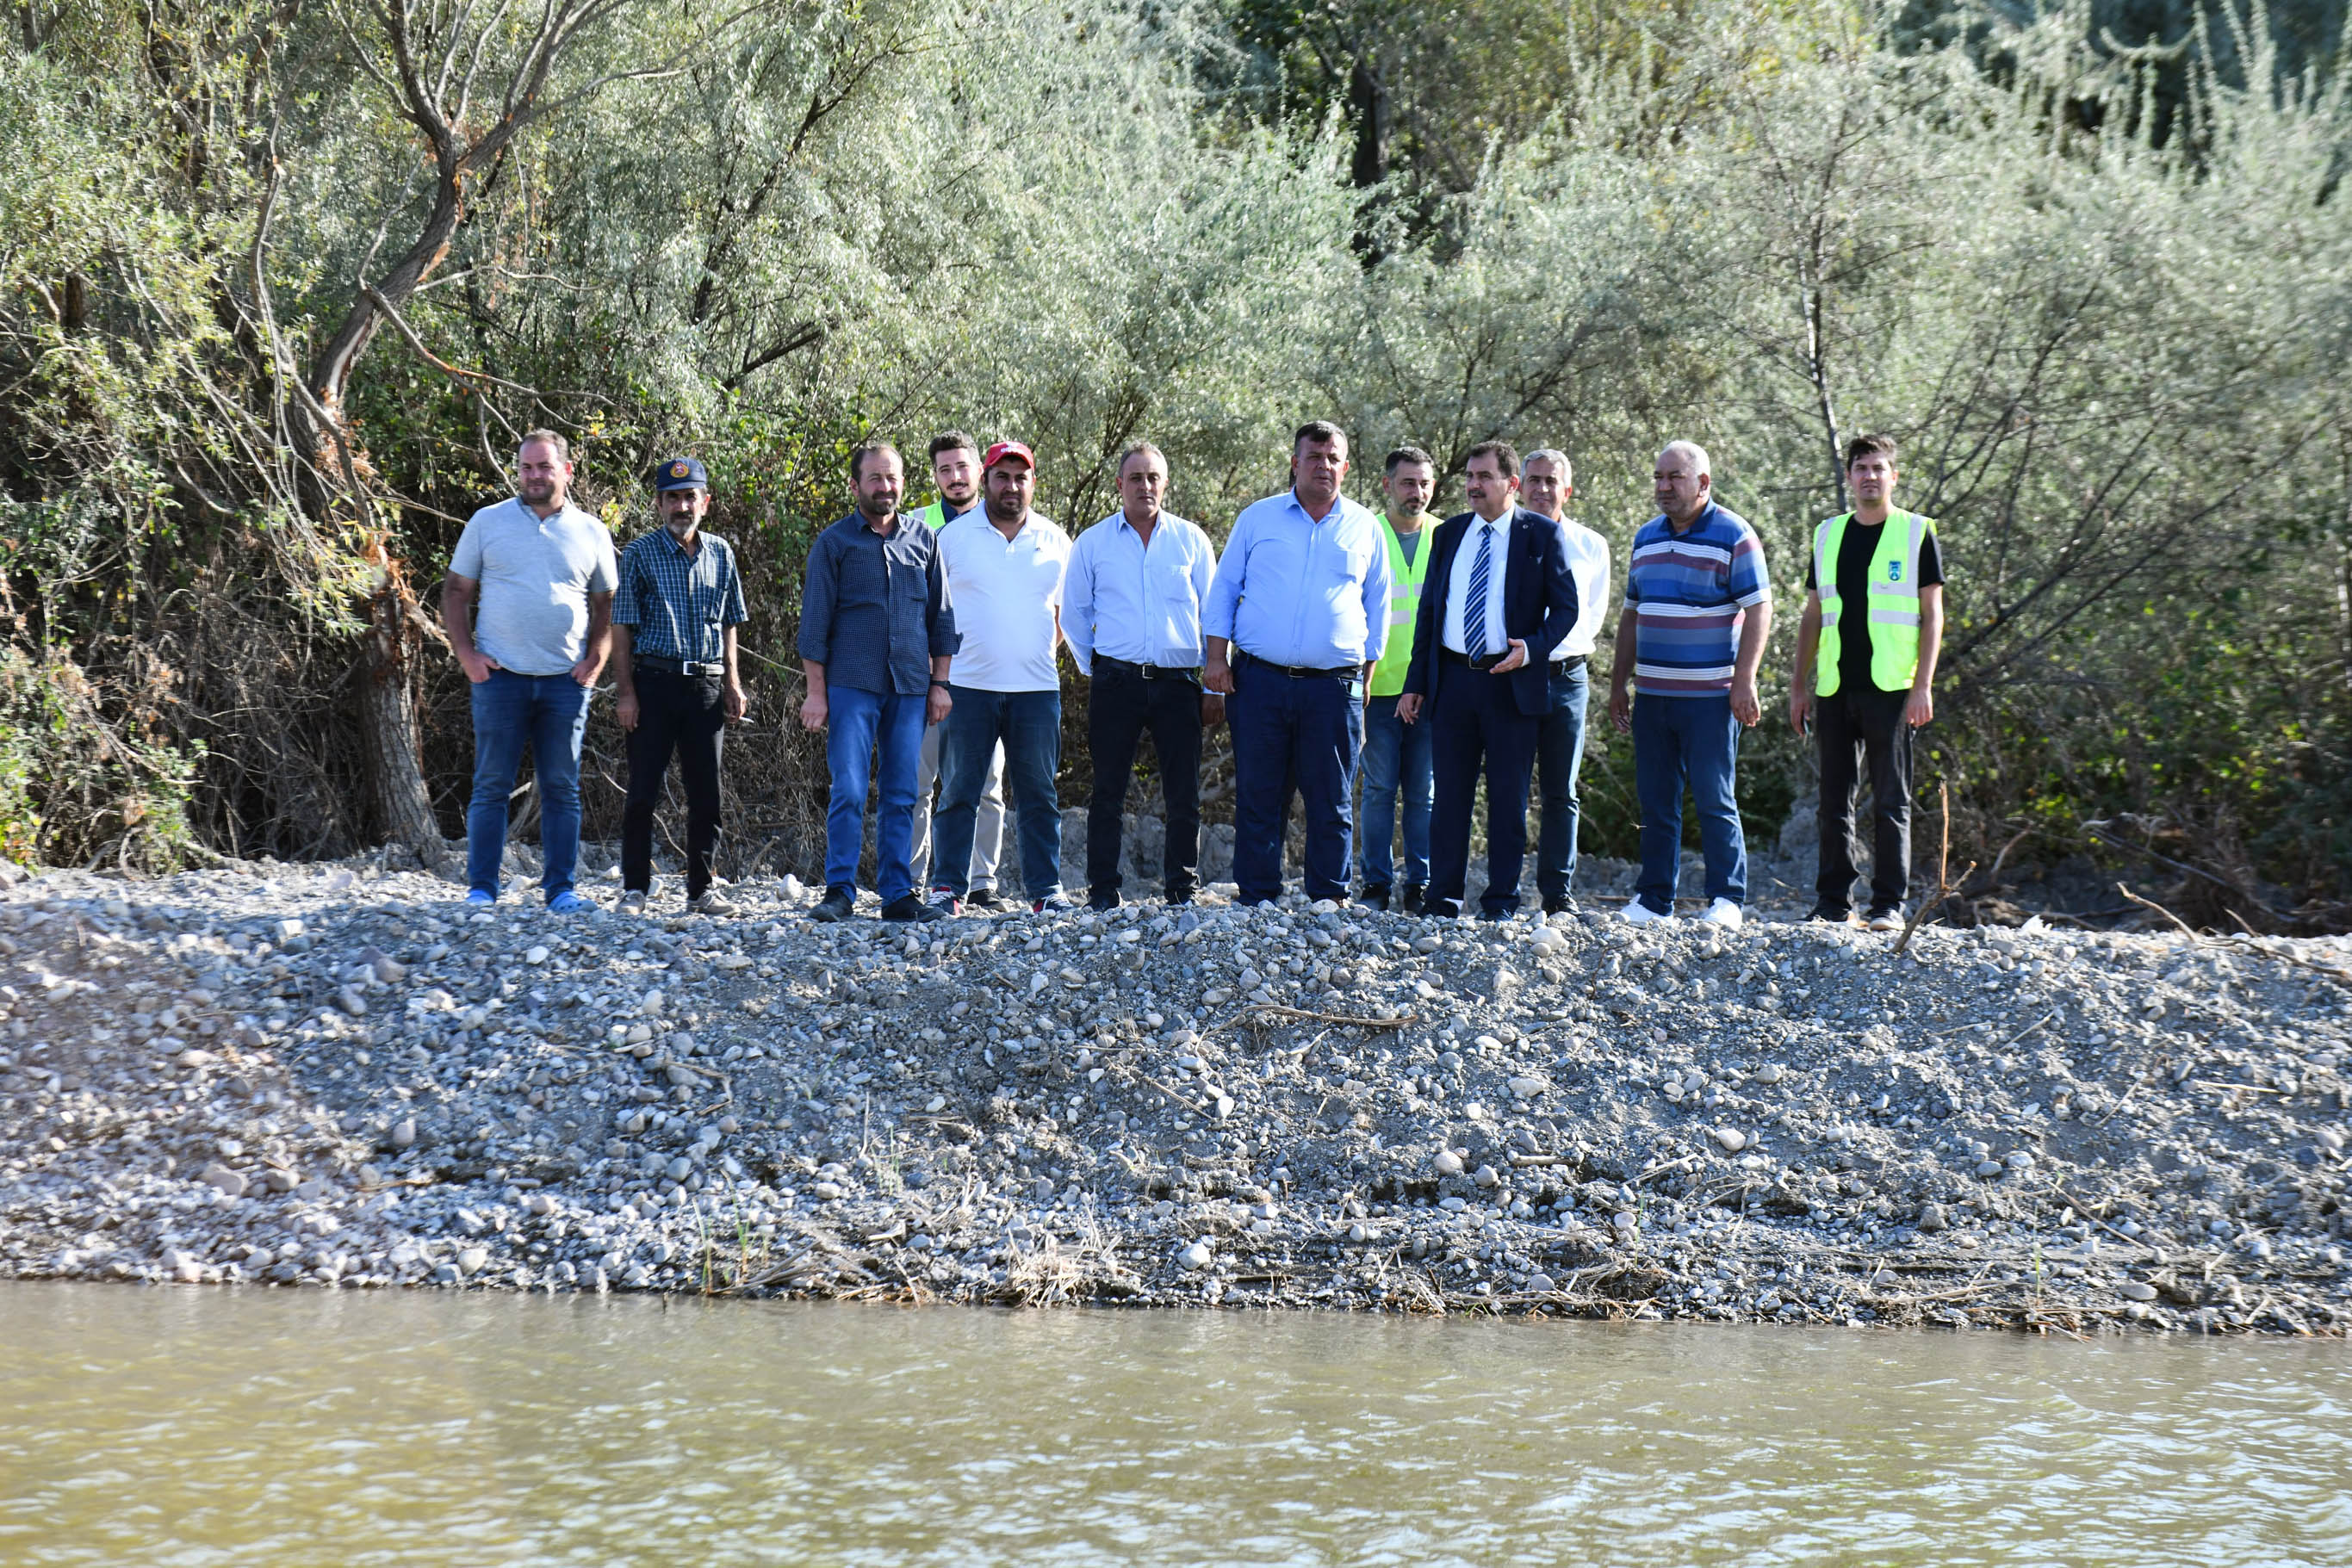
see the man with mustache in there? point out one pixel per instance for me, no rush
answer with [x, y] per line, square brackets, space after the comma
[955, 472]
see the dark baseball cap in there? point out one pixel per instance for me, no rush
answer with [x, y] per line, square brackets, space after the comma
[1004, 449]
[682, 474]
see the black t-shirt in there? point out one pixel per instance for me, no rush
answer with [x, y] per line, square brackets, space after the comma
[1854, 551]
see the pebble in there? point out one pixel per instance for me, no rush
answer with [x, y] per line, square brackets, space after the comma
[220, 1178]
[2137, 1291]
[1731, 1138]
[1447, 1163]
[1197, 1256]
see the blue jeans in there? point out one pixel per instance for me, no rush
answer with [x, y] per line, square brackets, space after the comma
[859, 725]
[1302, 733]
[1559, 756]
[549, 714]
[1029, 726]
[1693, 740]
[1396, 758]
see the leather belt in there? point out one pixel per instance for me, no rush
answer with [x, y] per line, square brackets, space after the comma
[1573, 662]
[1344, 673]
[1152, 672]
[669, 667]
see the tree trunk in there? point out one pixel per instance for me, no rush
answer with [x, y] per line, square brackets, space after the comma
[403, 807]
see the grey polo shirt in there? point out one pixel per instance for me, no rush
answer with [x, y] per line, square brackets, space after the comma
[875, 611]
[536, 575]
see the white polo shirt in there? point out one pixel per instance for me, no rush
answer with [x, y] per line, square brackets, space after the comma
[1587, 562]
[1005, 593]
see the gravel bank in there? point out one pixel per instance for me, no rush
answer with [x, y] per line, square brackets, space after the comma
[323, 1076]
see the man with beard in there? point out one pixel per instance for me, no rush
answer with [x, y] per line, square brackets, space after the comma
[674, 661]
[1004, 567]
[545, 572]
[876, 632]
[1545, 485]
[955, 471]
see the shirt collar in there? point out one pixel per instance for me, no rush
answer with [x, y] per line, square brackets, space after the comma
[677, 548]
[1338, 508]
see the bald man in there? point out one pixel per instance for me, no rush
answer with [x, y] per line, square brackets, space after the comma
[1698, 608]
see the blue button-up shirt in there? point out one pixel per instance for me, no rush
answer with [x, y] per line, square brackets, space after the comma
[874, 610]
[679, 605]
[1139, 602]
[1291, 591]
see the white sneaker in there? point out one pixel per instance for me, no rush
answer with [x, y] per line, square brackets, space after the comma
[1887, 920]
[1637, 913]
[1723, 913]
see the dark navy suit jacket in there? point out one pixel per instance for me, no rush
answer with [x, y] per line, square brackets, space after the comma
[1538, 602]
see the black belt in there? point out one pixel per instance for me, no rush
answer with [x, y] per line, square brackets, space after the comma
[1344, 673]
[668, 666]
[1485, 662]
[1150, 672]
[1573, 662]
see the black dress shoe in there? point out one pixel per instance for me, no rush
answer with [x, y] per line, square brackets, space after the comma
[1374, 898]
[1559, 903]
[1099, 902]
[909, 907]
[834, 906]
[1413, 898]
[981, 898]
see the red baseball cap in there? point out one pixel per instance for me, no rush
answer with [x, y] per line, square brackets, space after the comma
[1004, 449]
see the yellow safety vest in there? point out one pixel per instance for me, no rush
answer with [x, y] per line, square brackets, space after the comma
[1404, 603]
[1892, 601]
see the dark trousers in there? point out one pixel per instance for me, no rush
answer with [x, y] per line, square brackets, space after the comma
[686, 715]
[1121, 706]
[1028, 725]
[1476, 726]
[1862, 725]
[1302, 733]
[1559, 756]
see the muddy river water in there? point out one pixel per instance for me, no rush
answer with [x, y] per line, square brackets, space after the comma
[202, 1427]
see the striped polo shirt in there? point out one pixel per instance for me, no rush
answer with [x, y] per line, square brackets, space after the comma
[1689, 593]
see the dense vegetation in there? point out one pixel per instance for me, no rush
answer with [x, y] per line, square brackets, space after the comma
[282, 284]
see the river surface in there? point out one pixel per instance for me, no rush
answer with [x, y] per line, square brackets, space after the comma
[202, 1427]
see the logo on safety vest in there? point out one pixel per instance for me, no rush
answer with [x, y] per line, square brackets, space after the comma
[1894, 571]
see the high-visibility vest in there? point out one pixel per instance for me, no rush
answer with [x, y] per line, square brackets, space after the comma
[1891, 602]
[935, 516]
[1404, 603]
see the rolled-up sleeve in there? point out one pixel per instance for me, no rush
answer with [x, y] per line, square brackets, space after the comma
[817, 596]
[1226, 583]
[735, 614]
[939, 605]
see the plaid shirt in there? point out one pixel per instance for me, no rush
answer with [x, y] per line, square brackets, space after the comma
[676, 603]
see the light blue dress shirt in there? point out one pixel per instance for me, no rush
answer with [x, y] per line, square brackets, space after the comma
[1137, 602]
[1291, 591]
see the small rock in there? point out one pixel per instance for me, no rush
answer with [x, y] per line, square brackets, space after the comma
[1486, 1177]
[1541, 1284]
[1732, 1139]
[403, 1132]
[1196, 1257]
[1770, 1072]
[2020, 1160]
[827, 1191]
[195, 1057]
[1932, 1217]
[222, 1179]
[282, 1181]
[186, 1266]
[538, 954]
[1527, 1088]
[350, 1000]
[473, 1260]
[2137, 1291]
[1448, 1163]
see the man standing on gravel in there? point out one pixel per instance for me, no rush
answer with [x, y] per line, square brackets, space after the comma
[877, 630]
[545, 572]
[1875, 615]
[1545, 487]
[1698, 610]
[1298, 617]
[1132, 615]
[955, 472]
[1005, 566]
[1500, 597]
[674, 660]
[1396, 754]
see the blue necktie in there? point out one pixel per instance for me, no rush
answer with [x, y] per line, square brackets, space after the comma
[1474, 608]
